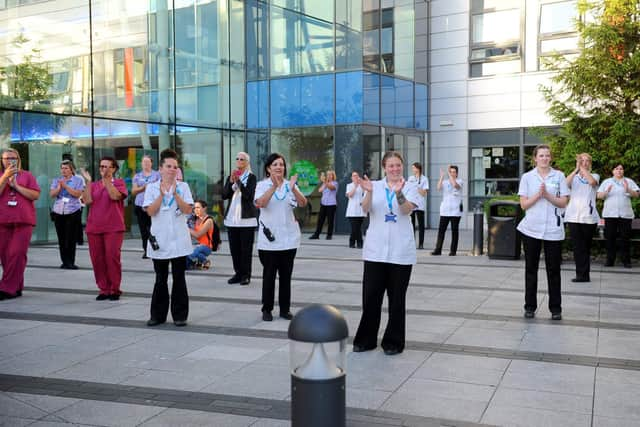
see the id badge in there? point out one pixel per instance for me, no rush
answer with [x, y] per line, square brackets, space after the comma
[12, 203]
[65, 200]
[390, 217]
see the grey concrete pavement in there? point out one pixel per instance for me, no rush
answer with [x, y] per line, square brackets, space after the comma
[471, 358]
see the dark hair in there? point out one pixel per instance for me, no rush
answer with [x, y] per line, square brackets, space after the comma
[454, 167]
[540, 147]
[390, 154]
[202, 203]
[168, 154]
[418, 166]
[114, 163]
[269, 161]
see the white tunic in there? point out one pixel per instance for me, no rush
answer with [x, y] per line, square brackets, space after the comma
[354, 207]
[278, 217]
[451, 198]
[617, 204]
[169, 224]
[422, 183]
[390, 242]
[543, 220]
[582, 203]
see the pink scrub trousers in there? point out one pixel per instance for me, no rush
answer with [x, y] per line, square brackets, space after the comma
[104, 250]
[14, 244]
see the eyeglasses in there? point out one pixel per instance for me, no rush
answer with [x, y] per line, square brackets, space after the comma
[241, 159]
[14, 158]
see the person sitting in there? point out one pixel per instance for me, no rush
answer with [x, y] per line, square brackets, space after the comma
[203, 231]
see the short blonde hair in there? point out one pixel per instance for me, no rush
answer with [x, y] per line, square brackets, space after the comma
[14, 151]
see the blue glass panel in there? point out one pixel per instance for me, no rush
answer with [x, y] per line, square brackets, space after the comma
[397, 102]
[258, 104]
[36, 126]
[422, 121]
[207, 104]
[302, 101]
[371, 98]
[349, 97]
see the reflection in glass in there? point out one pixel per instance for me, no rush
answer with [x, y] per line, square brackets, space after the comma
[371, 98]
[421, 106]
[348, 48]
[349, 97]
[302, 101]
[558, 17]
[315, 8]
[257, 39]
[396, 102]
[349, 13]
[258, 104]
[496, 26]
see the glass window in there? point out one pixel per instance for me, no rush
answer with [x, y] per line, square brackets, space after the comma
[496, 27]
[494, 171]
[256, 34]
[557, 33]
[348, 48]
[403, 41]
[349, 97]
[299, 44]
[422, 118]
[349, 13]
[316, 8]
[258, 104]
[371, 98]
[396, 102]
[302, 101]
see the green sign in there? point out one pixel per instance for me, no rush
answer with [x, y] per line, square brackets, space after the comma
[307, 176]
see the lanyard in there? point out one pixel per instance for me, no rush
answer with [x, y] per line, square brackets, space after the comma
[244, 178]
[286, 190]
[390, 195]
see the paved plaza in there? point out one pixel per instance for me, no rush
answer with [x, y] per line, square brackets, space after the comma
[471, 358]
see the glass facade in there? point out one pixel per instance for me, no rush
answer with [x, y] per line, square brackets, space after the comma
[318, 81]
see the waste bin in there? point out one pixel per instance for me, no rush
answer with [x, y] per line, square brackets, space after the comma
[504, 239]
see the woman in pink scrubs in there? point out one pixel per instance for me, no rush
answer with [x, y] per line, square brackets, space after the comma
[18, 190]
[105, 227]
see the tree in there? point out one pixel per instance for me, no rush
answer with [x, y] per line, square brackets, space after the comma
[595, 96]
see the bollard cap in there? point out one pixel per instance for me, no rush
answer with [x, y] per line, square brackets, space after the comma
[318, 323]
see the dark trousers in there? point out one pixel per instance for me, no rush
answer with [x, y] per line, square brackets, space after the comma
[419, 216]
[80, 230]
[552, 260]
[144, 224]
[328, 212]
[355, 238]
[241, 247]
[67, 231]
[442, 229]
[614, 228]
[582, 235]
[179, 296]
[378, 278]
[280, 262]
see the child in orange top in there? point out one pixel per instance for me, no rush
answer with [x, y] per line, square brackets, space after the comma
[203, 232]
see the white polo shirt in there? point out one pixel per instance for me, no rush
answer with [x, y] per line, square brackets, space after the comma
[169, 224]
[617, 204]
[582, 203]
[354, 207]
[543, 220]
[390, 242]
[278, 217]
[451, 198]
[422, 183]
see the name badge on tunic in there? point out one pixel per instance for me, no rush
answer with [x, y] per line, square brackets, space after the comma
[65, 200]
[390, 217]
[12, 203]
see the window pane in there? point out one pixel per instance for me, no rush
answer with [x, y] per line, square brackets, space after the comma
[371, 98]
[348, 48]
[558, 17]
[492, 68]
[349, 97]
[258, 104]
[316, 8]
[302, 101]
[403, 43]
[496, 27]
[256, 34]
[422, 119]
[349, 13]
[396, 102]
[559, 45]
[299, 44]
[491, 52]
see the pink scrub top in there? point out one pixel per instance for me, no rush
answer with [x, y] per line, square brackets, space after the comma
[14, 207]
[106, 215]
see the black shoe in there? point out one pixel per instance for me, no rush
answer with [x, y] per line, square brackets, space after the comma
[102, 297]
[114, 297]
[314, 237]
[360, 348]
[452, 254]
[392, 351]
[267, 316]
[529, 314]
[154, 322]
[436, 253]
[18, 294]
[180, 323]
[352, 245]
[329, 237]
[286, 315]
[72, 267]
[144, 256]
[608, 264]
[245, 281]
[234, 279]
[5, 295]
[420, 247]
[627, 265]
[63, 266]
[556, 316]
[359, 245]
[579, 280]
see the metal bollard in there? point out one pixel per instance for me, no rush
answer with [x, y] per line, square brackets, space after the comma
[478, 230]
[318, 341]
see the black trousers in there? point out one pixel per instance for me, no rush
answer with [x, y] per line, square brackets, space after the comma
[582, 236]
[280, 262]
[442, 229]
[552, 260]
[179, 296]
[378, 278]
[144, 224]
[328, 212]
[67, 231]
[614, 228]
[80, 230]
[241, 247]
[419, 216]
[355, 238]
